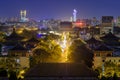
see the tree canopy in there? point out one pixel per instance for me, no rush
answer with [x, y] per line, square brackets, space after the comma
[13, 75]
[3, 72]
[52, 36]
[2, 35]
[47, 51]
[78, 53]
[0, 49]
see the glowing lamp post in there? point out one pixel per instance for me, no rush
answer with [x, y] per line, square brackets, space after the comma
[103, 65]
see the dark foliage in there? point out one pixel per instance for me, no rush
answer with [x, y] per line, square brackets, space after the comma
[80, 53]
[3, 73]
[12, 75]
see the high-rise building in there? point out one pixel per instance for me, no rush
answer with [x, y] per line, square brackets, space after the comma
[23, 17]
[118, 21]
[74, 15]
[107, 24]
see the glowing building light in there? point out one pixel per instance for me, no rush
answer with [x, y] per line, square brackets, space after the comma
[23, 14]
[63, 44]
[74, 15]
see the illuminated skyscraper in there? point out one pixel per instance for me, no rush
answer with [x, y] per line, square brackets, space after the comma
[74, 15]
[23, 15]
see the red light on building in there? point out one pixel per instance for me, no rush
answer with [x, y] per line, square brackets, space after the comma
[79, 24]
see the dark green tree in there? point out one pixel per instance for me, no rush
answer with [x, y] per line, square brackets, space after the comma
[0, 49]
[2, 36]
[115, 77]
[103, 78]
[41, 55]
[3, 72]
[78, 53]
[13, 75]
[9, 63]
[47, 51]
[97, 72]
[110, 64]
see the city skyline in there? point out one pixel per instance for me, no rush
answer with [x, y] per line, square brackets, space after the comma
[60, 9]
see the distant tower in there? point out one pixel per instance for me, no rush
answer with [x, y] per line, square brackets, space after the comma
[23, 15]
[74, 15]
[71, 19]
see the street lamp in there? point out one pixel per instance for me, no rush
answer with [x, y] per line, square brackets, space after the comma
[64, 47]
[103, 65]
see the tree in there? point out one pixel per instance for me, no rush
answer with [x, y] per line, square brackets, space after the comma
[9, 63]
[109, 64]
[97, 71]
[2, 63]
[47, 51]
[110, 67]
[41, 55]
[52, 37]
[78, 52]
[2, 35]
[28, 33]
[13, 75]
[0, 49]
[103, 78]
[115, 77]
[3, 72]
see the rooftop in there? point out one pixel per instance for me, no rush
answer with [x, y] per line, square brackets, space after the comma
[60, 70]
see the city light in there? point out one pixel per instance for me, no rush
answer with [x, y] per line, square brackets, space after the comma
[65, 43]
[49, 32]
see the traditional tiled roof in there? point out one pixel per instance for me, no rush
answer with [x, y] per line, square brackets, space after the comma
[92, 40]
[14, 36]
[60, 70]
[18, 47]
[112, 43]
[103, 47]
[32, 40]
[109, 37]
[12, 43]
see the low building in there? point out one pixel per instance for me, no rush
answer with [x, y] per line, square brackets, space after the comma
[105, 62]
[98, 61]
[103, 51]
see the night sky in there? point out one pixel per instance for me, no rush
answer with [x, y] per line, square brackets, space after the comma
[60, 9]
